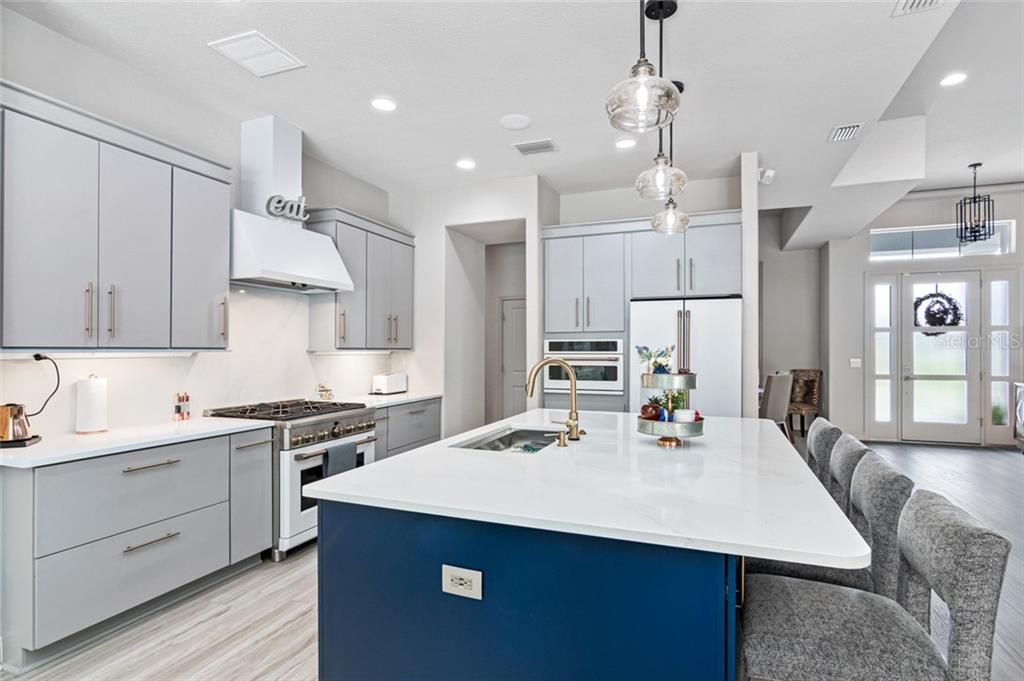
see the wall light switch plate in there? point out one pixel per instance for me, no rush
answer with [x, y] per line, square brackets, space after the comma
[855, 362]
[462, 582]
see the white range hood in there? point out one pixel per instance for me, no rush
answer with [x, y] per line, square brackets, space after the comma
[276, 252]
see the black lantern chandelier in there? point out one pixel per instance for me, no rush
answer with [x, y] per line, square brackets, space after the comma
[975, 215]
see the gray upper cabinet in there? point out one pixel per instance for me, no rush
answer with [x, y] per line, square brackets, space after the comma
[604, 289]
[401, 295]
[563, 284]
[50, 207]
[378, 312]
[378, 291]
[200, 261]
[584, 287]
[657, 270]
[134, 306]
[713, 264]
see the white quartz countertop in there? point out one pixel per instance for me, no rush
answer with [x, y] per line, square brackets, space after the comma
[384, 401]
[54, 449]
[741, 489]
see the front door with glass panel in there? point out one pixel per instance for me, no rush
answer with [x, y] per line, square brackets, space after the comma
[940, 322]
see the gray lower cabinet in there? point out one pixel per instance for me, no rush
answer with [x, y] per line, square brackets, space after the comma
[134, 306]
[85, 585]
[657, 264]
[50, 207]
[407, 426]
[380, 448]
[201, 255]
[584, 283]
[252, 499]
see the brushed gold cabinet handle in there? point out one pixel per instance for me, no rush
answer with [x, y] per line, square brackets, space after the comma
[136, 547]
[88, 310]
[254, 444]
[160, 464]
[113, 306]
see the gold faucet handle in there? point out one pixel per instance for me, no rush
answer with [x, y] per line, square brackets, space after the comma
[562, 438]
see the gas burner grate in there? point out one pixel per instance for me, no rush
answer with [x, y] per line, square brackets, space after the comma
[285, 410]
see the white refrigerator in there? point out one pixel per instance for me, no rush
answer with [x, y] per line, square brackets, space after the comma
[715, 349]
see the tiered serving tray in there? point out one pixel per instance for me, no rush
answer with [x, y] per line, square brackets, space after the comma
[670, 432]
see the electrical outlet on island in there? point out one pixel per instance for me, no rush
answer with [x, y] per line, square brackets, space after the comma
[462, 582]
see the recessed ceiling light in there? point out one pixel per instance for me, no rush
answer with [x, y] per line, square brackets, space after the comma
[466, 163]
[515, 121]
[954, 78]
[257, 53]
[626, 143]
[383, 104]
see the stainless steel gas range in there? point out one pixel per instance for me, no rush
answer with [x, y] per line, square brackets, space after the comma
[303, 432]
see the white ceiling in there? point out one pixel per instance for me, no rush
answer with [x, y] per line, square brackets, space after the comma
[767, 76]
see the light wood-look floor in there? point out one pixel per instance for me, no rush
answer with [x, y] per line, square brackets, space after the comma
[262, 624]
[258, 625]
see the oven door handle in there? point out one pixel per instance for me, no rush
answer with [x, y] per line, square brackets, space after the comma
[310, 455]
[365, 442]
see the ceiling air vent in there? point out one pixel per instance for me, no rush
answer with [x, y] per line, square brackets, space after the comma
[256, 53]
[535, 147]
[905, 7]
[844, 133]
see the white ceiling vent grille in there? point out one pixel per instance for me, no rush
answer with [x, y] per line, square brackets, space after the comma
[844, 133]
[905, 7]
[535, 147]
[257, 54]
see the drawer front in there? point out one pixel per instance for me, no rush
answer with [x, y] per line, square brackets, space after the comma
[409, 423]
[414, 445]
[252, 499]
[80, 587]
[82, 501]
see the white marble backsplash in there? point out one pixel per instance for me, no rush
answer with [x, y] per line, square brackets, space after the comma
[267, 360]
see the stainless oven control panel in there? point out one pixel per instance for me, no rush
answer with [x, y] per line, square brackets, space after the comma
[300, 434]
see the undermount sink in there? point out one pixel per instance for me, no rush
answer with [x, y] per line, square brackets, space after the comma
[515, 440]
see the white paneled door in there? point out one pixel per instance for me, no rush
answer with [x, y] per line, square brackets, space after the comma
[941, 357]
[513, 357]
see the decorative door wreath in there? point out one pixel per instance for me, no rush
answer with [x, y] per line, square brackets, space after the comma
[937, 309]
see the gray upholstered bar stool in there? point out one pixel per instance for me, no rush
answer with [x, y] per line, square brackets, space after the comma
[846, 454]
[878, 495]
[799, 630]
[821, 437]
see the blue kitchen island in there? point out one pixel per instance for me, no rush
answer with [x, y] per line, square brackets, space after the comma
[608, 559]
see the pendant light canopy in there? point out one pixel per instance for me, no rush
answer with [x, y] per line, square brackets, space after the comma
[661, 181]
[644, 101]
[671, 220]
[975, 215]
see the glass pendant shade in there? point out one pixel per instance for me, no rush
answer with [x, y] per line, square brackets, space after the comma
[661, 181]
[671, 220]
[642, 102]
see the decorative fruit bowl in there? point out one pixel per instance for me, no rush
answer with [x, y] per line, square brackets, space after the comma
[669, 432]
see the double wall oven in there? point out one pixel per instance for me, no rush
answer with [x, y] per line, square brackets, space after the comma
[306, 434]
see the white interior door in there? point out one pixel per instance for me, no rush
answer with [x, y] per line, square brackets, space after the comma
[941, 365]
[513, 357]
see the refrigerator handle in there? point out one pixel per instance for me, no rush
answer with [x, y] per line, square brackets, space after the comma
[686, 338]
[679, 340]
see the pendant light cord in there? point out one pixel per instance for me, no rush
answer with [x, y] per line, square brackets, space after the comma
[643, 41]
[661, 71]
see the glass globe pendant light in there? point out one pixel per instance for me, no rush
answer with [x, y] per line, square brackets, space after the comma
[671, 220]
[644, 101]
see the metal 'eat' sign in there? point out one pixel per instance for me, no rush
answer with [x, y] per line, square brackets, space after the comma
[278, 206]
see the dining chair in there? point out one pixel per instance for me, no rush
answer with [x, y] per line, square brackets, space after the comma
[806, 397]
[775, 401]
[801, 630]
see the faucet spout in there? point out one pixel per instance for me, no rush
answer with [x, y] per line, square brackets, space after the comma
[572, 424]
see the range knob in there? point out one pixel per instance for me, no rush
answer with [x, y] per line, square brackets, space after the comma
[323, 434]
[350, 429]
[365, 425]
[307, 438]
[371, 424]
[296, 440]
[336, 431]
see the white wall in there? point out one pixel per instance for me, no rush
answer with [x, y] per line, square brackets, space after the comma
[848, 267]
[505, 266]
[268, 358]
[464, 355]
[427, 214]
[790, 304]
[615, 204]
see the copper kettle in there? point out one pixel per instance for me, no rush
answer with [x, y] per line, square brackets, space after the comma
[13, 423]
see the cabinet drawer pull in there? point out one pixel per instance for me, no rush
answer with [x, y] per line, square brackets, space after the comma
[366, 441]
[88, 310]
[136, 547]
[254, 444]
[112, 329]
[310, 455]
[159, 464]
[416, 411]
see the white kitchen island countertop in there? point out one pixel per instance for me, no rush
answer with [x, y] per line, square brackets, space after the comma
[65, 447]
[741, 489]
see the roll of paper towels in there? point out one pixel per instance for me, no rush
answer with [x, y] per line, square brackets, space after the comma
[91, 411]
